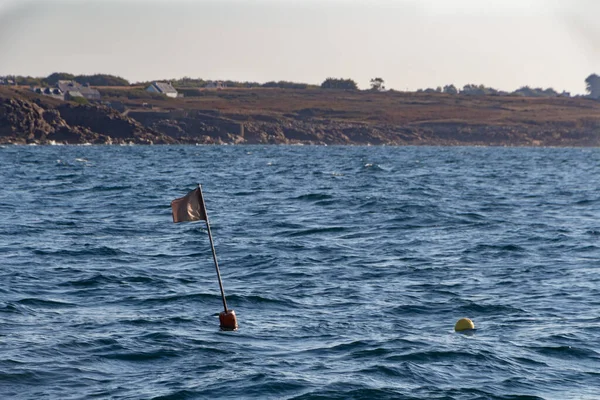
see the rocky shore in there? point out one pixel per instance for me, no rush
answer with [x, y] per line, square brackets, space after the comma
[348, 119]
[25, 121]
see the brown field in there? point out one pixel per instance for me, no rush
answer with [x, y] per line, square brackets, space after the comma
[394, 108]
[271, 115]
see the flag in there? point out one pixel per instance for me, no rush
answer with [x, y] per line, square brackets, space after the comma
[189, 207]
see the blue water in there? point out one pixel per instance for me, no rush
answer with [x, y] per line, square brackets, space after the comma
[347, 268]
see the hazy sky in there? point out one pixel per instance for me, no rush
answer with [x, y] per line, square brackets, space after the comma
[411, 44]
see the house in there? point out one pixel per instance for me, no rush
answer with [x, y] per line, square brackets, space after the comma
[51, 92]
[80, 90]
[216, 85]
[163, 88]
[67, 90]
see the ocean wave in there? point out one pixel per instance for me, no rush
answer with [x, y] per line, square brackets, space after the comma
[313, 197]
[143, 356]
[315, 231]
[345, 288]
[44, 303]
[89, 252]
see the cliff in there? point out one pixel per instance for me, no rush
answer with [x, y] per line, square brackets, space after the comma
[311, 116]
[25, 118]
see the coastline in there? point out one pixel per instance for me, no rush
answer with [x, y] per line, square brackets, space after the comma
[302, 117]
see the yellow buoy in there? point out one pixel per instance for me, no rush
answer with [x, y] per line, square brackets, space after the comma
[464, 324]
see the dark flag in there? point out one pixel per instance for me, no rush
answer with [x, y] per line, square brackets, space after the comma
[189, 207]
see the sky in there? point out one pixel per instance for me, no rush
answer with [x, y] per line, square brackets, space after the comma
[410, 44]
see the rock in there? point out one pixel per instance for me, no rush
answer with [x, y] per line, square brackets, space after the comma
[25, 121]
[25, 118]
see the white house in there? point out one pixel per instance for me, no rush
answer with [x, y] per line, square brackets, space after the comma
[162, 88]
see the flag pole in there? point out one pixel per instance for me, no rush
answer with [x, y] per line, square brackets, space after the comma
[214, 253]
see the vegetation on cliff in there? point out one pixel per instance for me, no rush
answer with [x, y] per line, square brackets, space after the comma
[52, 79]
[311, 116]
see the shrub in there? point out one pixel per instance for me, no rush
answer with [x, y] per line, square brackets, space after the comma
[80, 100]
[333, 83]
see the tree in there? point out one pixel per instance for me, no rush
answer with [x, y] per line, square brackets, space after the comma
[593, 86]
[526, 91]
[286, 85]
[477, 90]
[450, 89]
[28, 81]
[333, 83]
[377, 84]
[53, 79]
[101, 80]
[94, 80]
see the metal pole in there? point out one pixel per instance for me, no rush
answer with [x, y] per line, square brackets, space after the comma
[212, 246]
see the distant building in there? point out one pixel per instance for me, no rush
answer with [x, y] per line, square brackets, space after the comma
[216, 85]
[67, 90]
[6, 81]
[81, 90]
[55, 91]
[51, 92]
[163, 88]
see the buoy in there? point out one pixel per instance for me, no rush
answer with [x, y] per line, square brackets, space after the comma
[464, 324]
[228, 320]
[191, 207]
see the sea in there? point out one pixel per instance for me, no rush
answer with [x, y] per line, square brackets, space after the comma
[347, 267]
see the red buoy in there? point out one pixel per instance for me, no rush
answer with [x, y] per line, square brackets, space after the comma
[228, 320]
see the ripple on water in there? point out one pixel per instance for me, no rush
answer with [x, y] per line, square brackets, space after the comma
[347, 268]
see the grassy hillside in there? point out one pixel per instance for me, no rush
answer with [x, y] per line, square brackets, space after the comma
[273, 115]
[395, 108]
